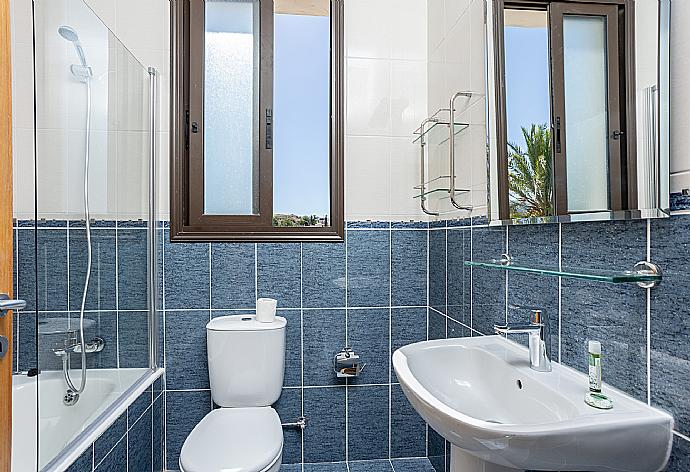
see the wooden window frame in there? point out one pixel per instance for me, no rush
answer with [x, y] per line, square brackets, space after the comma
[188, 223]
[622, 163]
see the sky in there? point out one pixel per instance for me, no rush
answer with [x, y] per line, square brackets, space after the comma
[527, 79]
[301, 110]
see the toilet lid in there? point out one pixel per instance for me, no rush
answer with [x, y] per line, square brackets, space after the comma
[233, 440]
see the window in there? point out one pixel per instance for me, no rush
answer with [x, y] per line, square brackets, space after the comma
[257, 120]
[566, 107]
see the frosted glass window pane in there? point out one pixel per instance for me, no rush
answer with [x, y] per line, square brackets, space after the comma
[229, 109]
[301, 111]
[586, 105]
[528, 113]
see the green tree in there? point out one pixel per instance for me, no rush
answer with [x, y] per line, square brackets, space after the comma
[530, 175]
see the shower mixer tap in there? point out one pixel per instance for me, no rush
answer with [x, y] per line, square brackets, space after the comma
[72, 345]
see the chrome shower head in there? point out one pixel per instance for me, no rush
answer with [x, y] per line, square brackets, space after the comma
[68, 33]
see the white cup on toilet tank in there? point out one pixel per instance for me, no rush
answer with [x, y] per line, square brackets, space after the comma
[266, 310]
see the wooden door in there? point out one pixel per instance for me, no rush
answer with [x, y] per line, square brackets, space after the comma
[5, 235]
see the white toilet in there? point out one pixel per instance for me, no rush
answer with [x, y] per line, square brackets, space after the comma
[246, 363]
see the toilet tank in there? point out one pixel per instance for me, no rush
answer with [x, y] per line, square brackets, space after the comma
[246, 360]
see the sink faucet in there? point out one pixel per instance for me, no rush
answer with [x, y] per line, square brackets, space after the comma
[538, 333]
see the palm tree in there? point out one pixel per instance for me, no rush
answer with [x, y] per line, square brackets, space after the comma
[530, 177]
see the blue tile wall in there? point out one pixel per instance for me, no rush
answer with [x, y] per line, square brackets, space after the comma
[369, 293]
[279, 273]
[368, 421]
[132, 442]
[55, 270]
[409, 267]
[368, 268]
[615, 314]
[233, 272]
[323, 275]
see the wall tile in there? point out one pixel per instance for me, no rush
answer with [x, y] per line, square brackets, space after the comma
[437, 325]
[289, 408]
[412, 465]
[488, 286]
[131, 269]
[368, 333]
[437, 451]
[680, 456]
[139, 406]
[380, 465]
[528, 292]
[27, 341]
[186, 275]
[324, 336]
[186, 363]
[293, 348]
[368, 421]
[323, 275]
[49, 259]
[437, 270]
[324, 439]
[101, 291]
[116, 460]
[408, 429]
[184, 410]
[133, 338]
[670, 323]
[139, 437]
[104, 327]
[83, 462]
[158, 434]
[408, 325]
[616, 315]
[459, 276]
[409, 268]
[458, 330]
[368, 272]
[233, 281]
[332, 467]
[279, 273]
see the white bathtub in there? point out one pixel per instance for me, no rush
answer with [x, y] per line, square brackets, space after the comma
[59, 425]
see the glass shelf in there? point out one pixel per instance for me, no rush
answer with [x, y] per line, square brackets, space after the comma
[435, 191]
[644, 273]
[441, 126]
[431, 187]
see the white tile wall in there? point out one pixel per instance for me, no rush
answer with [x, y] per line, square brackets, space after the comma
[680, 95]
[456, 63]
[398, 69]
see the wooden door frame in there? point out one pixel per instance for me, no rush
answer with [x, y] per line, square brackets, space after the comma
[6, 233]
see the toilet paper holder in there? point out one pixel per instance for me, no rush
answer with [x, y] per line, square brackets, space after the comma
[347, 363]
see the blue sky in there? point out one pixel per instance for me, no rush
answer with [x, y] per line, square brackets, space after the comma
[527, 79]
[301, 115]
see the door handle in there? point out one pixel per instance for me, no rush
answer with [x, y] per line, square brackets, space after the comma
[7, 304]
[4, 346]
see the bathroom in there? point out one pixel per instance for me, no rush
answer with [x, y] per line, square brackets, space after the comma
[393, 233]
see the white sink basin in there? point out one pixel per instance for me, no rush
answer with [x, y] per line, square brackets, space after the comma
[481, 395]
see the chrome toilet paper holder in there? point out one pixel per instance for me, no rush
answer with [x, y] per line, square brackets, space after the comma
[347, 363]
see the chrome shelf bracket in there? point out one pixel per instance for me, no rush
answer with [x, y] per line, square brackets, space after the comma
[647, 268]
[451, 147]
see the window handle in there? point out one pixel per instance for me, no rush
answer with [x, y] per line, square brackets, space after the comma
[269, 128]
[558, 134]
[618, 134]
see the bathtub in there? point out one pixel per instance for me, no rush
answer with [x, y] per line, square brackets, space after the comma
[64, 432]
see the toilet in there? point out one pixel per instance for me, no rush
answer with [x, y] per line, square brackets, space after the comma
[246, 364]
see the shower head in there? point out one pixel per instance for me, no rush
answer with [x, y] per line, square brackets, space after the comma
[68, 33]
[71, 35]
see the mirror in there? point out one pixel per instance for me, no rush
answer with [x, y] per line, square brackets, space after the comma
[577, 110]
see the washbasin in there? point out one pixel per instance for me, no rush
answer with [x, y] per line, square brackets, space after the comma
[480, 394]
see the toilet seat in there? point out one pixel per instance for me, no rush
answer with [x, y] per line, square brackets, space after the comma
[234, 439]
